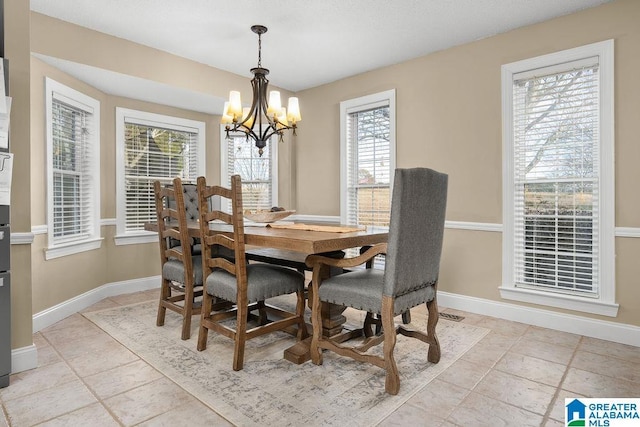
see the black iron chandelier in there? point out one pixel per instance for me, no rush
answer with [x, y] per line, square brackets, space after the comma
[263, 119]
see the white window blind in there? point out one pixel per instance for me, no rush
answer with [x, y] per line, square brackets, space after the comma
[73, 171]
[154, 153]
[258, 173]
[72, 175]
[367, 128]
[556, 155]
[369, 163]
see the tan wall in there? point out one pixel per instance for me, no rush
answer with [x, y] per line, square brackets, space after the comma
[59, 39]
[16, 36]
[449, 118]
[60, 279]
[142, 260]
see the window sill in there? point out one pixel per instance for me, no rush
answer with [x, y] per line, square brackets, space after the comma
[72, 248]
[137, 238]
[568, 302]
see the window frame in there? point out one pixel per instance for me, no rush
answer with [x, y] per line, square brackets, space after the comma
[124, 116]
[363, 103]
[224, 168]
[55, 90]
[604, 302]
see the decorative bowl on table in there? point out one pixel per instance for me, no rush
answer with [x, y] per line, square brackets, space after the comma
[267, 215]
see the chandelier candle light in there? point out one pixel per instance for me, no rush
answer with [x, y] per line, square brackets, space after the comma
[262, 120]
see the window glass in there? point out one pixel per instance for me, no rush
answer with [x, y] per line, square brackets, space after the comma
[369, 158]
[558, 183]
[258, 173]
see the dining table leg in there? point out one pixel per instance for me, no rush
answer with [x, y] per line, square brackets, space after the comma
[332, 326]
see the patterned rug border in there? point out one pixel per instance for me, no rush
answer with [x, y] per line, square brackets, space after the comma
[134, 327]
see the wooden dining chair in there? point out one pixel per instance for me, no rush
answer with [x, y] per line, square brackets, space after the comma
[372, 319]
[181, 271]
[247, 286]
[410, 276]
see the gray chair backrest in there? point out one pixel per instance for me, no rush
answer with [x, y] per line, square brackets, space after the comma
[191, 201]
[416, 230]
[190, 196]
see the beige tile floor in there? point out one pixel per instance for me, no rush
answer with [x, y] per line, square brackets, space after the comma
[516, 375]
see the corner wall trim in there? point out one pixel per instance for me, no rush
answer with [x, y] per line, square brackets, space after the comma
[108, 222]
[475, 226]
[595, 328]
[627, 232]
[22, 238]
[40, 229]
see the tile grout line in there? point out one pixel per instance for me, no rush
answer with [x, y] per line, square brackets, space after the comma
[98, 400]
[547, 414]
[162, 376]
[491, 368]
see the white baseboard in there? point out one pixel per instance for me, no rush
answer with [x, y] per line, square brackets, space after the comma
[65, 309]
[23, 359]
[26, 358]
[595, 328]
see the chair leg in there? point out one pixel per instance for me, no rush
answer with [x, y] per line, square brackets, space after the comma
[186, 315]
[262, 314]
[165, 293]
[392, 380]
[434, 346]
[205, 315]
[370, 320]
[240, 335]
[406, 317]
[366, 327]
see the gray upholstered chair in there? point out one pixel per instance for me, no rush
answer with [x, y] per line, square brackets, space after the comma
[410, 277]
[247, 286]
[181, 270]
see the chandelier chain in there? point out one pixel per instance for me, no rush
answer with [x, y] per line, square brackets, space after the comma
[259, 50]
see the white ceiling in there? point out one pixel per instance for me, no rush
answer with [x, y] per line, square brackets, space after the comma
[309, 42]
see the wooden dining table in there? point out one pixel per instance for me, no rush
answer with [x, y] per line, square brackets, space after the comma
[304, 242]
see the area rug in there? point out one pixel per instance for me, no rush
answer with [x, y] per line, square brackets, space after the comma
[271, 390]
